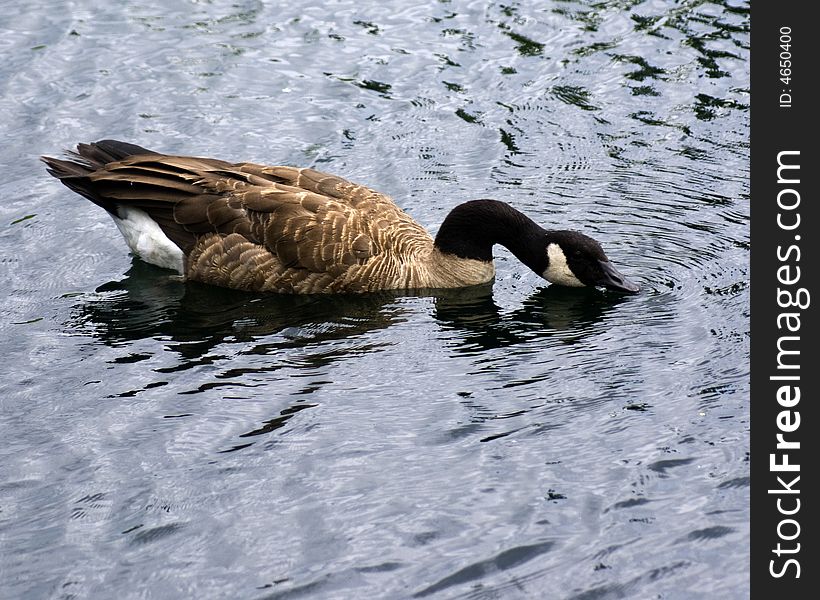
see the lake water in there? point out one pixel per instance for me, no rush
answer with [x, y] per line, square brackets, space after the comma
[164, 440]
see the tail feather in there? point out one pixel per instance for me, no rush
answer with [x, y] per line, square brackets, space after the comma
[140, 203]
[74, 174]
[103, 152]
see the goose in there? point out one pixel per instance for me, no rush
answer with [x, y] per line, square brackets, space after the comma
[295, 230]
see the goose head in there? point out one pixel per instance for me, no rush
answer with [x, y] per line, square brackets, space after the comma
[576, 260]
[567, 258]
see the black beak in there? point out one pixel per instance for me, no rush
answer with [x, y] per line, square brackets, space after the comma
[613, 280]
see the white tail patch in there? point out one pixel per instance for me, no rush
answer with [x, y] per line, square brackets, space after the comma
[146, 239]
[558, 270]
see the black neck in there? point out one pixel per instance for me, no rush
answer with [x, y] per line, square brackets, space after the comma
[473, 228]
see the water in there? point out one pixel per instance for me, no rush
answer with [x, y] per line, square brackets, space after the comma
[163, 440]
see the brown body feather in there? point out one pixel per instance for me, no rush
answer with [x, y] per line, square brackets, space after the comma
[268, 228]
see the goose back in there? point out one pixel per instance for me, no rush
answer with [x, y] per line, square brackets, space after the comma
[266, 228]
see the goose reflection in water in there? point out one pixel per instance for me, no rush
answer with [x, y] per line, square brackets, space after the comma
[194, 318]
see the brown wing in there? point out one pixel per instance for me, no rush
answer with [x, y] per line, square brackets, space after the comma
[290, 218]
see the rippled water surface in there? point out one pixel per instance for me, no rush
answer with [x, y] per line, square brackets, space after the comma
[164, 440]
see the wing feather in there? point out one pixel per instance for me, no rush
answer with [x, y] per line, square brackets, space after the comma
[244, 224]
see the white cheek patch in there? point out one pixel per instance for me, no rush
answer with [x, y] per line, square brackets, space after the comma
[558, 270]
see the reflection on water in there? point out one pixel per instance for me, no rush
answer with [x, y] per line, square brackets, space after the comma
[481, 326]
[192, 319]
[309, 334]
